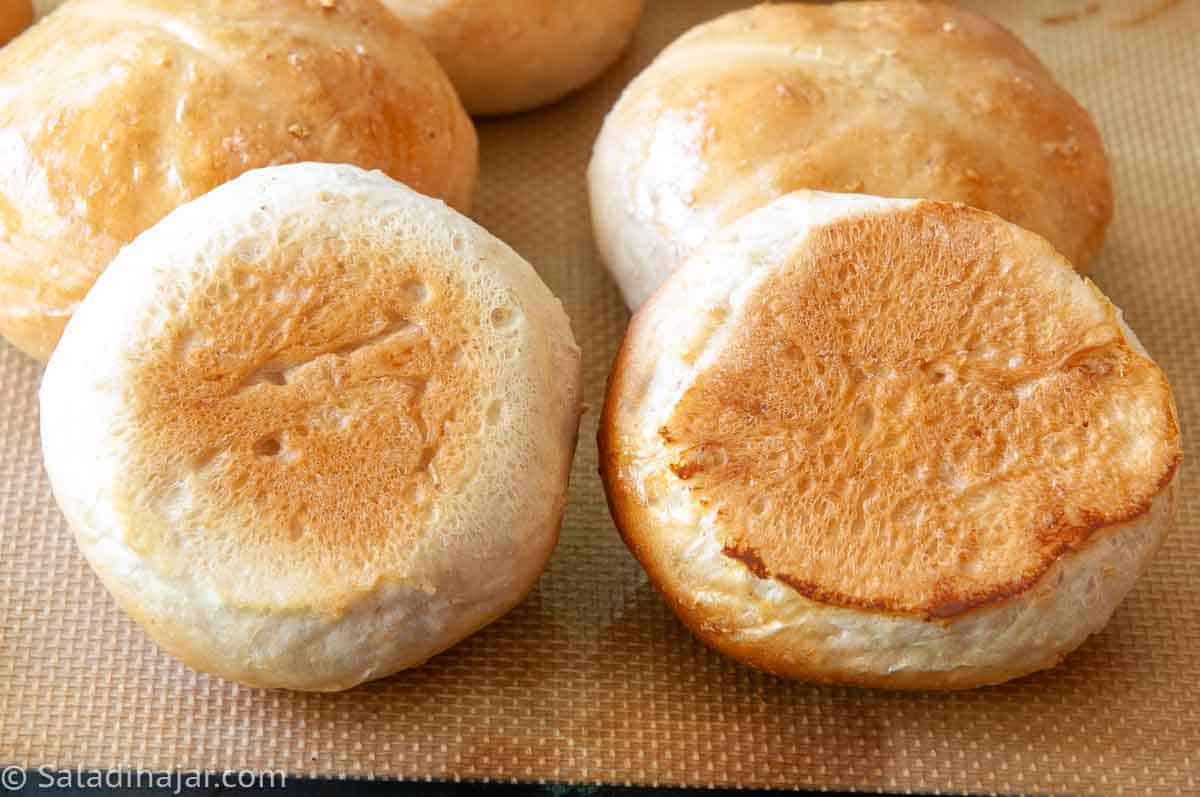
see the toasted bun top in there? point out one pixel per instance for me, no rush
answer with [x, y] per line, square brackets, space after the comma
[517, 55]
[905, 407]
[310, 382]
[895, 99]
[117, 111]
[15, 16]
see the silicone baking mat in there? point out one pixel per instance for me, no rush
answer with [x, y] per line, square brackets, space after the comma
[592, 679]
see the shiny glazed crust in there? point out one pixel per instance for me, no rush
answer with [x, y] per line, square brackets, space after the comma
[893, 99]
[313, 428]
[118, 111]
[517, 55]
[878, 502]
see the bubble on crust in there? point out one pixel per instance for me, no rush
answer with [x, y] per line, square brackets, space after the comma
[267, 446]
[941, 373]
[203, 458]
[245, 279]
[700, 459]
[268, 376]
[504, 318]
[416, 291]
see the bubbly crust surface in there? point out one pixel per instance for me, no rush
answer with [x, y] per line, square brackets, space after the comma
[908, 415]
[15, 16]
[308, 393]
[115, 113]
[923, 437]
[518, 55]
[890, 99]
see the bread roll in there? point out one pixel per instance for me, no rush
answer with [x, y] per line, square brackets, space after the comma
[888, 443]
[313, 428]
[520, 54]
[117, 111]
[893, 99]
[15, 16]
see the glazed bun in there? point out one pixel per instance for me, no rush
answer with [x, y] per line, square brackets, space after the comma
[895, 99]
[118, 111]
[15, 16]
[517, 55]
[314, 428]
[890, 443]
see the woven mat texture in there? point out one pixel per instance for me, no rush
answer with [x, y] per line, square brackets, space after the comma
[592, 679]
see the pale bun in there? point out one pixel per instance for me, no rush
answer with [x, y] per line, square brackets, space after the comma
[313, 428]
[897, 99]
[517, 55]
[15, 16]
[887, 443]
[118, 111]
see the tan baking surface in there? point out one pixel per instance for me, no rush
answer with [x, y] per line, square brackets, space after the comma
[592, 679]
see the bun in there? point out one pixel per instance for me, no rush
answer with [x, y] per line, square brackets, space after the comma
[888, 443]
[15, 16]
[895, 99]
[118, 111]
[521, 54]
[314, 428]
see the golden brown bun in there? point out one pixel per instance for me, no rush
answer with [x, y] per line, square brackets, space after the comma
[517, 55]
[313, 427]
[15, 16]
[894, 99]
[118, 111]
[887, 442]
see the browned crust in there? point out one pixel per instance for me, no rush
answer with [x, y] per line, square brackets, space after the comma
[750, 558]
[389, 107]
[631, 523]
[633, 530]
[15, 16]
[948, 603]
[741, 373]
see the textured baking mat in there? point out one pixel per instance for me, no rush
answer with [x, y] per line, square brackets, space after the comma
[592, 679]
